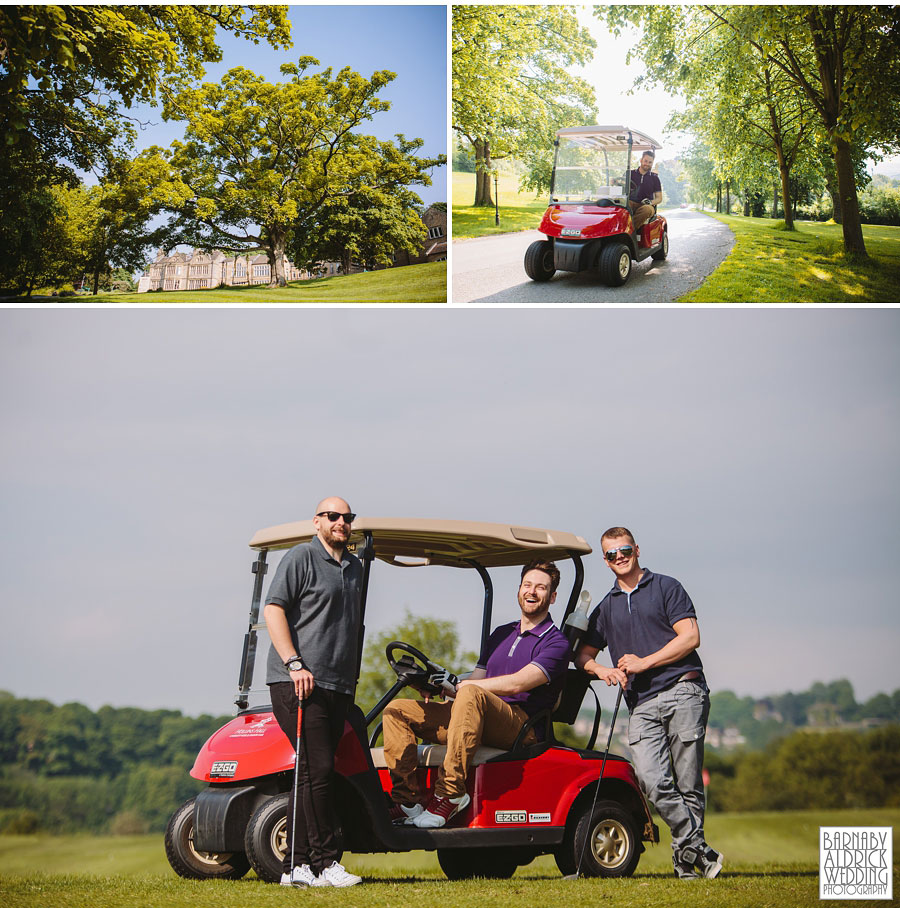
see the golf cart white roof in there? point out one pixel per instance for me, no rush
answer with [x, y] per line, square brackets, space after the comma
[612, 138]
[409, 542]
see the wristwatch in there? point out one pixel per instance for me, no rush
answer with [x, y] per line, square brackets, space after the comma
[294, 664]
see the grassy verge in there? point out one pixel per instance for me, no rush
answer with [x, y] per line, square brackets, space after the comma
[518, 211]
[412, 284]
[806, 265]
[772, 860]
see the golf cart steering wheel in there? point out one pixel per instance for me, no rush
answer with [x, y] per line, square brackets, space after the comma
[414, 668]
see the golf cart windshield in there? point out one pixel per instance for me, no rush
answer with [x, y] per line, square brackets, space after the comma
[593, 163]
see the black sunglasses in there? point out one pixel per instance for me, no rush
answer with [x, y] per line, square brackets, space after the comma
[334, 515]
[626, 550]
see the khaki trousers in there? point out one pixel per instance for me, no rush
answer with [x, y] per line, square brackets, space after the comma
[475, 717]
[640, 214]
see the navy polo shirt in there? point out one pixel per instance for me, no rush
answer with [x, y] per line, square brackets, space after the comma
[509, 649]
[644, 185]
[640, 622]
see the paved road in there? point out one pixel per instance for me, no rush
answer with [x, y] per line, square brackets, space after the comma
[491, 270]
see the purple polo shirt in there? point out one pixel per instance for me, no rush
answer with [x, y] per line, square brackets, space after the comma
[510, 649]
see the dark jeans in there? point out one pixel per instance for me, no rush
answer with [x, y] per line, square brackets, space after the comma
[321, 728]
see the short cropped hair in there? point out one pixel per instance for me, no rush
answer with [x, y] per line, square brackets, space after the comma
[548, 567]
[615, 533]
[650, 152]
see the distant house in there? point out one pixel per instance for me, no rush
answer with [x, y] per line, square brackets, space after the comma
[196, 270]
[435, 248]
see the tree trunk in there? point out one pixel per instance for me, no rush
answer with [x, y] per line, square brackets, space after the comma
[728, 197]
[854, 244]
[775, 199]
[483, 173]
[96, 280]
[275, 253]
[785, 191]
[832, 187]
[346, 261]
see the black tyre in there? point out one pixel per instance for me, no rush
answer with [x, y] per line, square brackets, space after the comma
[266, 838]
[614, 264]
[539, 261]
[468, 863]
[606, 837]
[186, 861]
[664, 251]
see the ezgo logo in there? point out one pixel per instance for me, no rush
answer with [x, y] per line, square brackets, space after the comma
[855, 862]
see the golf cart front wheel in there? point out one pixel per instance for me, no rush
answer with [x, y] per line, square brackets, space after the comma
[603, 841]
[614, 264]
[192, 864]
[539, 264]
[469, 863]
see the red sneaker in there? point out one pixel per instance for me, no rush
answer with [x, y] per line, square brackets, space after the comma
[440, 810]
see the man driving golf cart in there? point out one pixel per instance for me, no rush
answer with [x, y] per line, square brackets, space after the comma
[519, 673]
[646, 191]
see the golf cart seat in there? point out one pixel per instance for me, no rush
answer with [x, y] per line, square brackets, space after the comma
[568, 704]
[433, 755]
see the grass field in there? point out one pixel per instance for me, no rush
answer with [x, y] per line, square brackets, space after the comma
[517, 211]
[411, 284]
[772, 860]
[806, 265]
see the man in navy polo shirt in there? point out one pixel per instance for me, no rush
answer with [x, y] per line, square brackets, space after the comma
[519, 673]
[645, 184]
[649, 624]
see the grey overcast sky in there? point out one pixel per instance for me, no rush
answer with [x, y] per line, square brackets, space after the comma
[753, 452]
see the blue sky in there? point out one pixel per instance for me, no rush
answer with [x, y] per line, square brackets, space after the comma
[408, 40]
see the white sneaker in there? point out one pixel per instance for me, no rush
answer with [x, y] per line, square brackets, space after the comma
[401, 815]
[300, 877]
[336, 875]
[440, 811]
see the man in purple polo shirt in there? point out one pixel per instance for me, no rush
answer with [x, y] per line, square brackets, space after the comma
[519, 673]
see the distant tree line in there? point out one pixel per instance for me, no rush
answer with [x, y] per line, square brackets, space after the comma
[810, 770]
[68, 768]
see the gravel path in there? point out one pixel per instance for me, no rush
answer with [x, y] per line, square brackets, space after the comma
[491, 270]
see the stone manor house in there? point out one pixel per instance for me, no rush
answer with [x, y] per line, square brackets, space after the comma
[196, 270]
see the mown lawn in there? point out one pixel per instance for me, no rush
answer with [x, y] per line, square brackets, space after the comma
[518, 211]
[806, 265]
[771, 860]
[412, 284]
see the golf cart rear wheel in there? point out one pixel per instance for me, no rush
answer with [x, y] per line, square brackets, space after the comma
[612, 848]
[614, 264]
[539, 261]
[662, 253]
[192, 864]
[468, 863]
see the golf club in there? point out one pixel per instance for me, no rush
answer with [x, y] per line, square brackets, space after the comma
[296, 785]
[612, 725]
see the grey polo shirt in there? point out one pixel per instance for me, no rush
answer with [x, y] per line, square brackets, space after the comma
[321, 599]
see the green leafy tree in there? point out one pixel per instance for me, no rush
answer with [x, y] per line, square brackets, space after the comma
[260, 159]
[513, 86]
[377, 215]
[437, 639]
[90, 60]
[827, 53]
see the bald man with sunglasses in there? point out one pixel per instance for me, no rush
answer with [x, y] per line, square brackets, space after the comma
[649, 624]
[312, 614]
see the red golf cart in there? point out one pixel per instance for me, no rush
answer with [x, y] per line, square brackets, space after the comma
[529, 800]
[588, 223]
